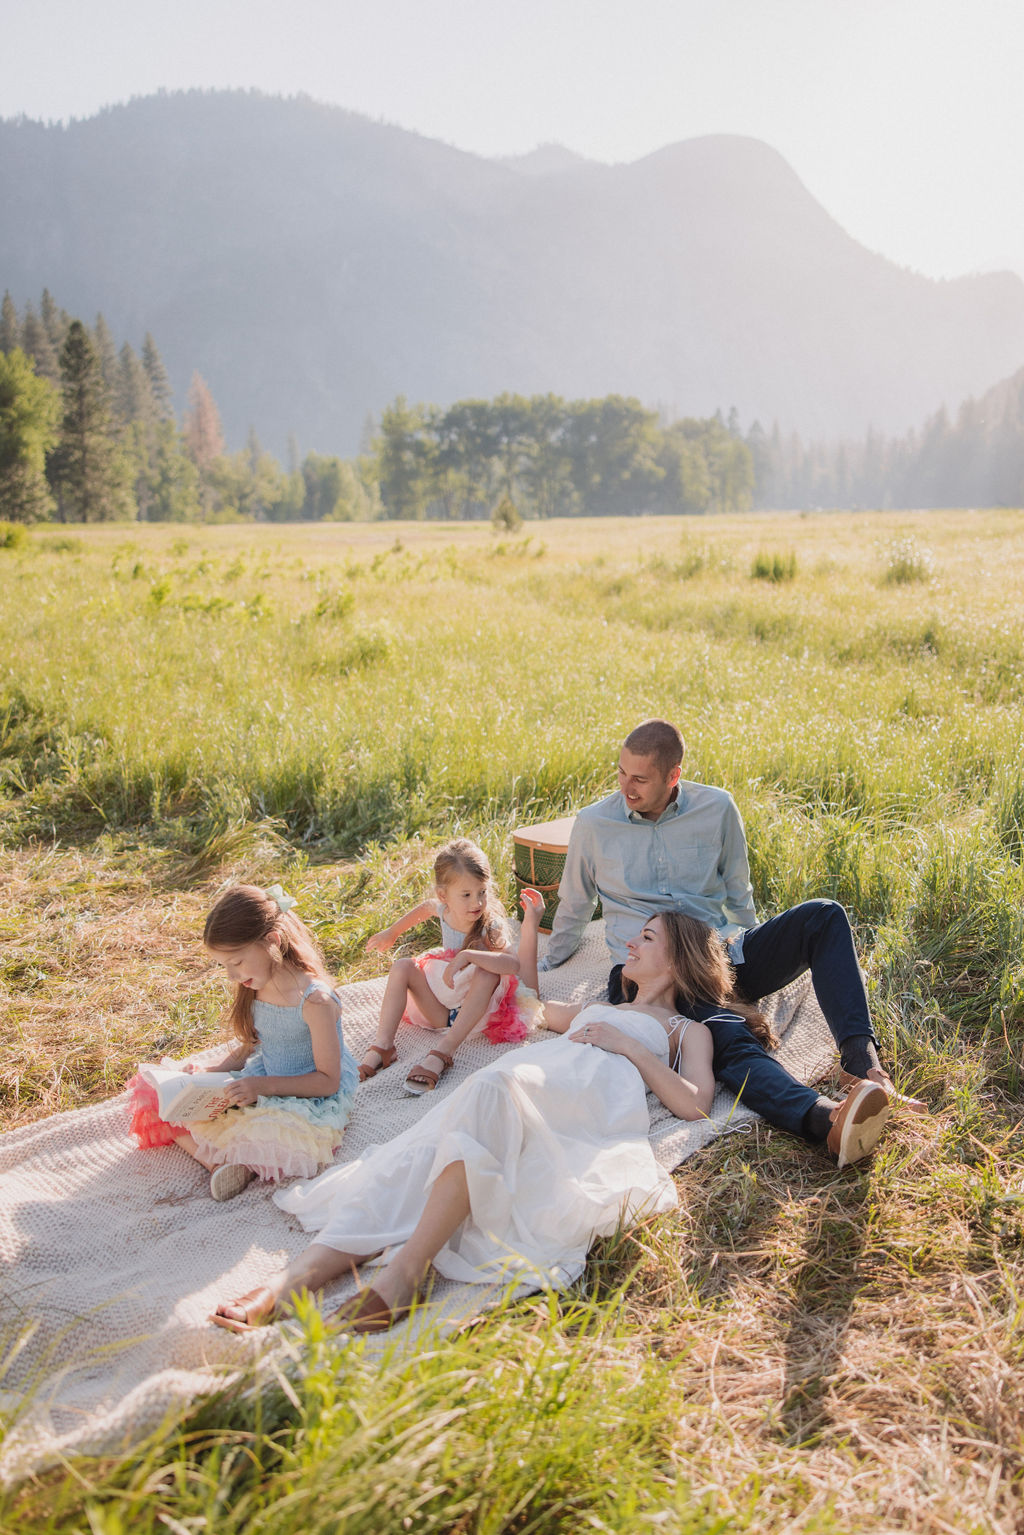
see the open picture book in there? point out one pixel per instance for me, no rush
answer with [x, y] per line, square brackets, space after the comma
[183, 1096]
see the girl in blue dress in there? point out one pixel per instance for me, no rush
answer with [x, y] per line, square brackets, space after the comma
[297, 1080]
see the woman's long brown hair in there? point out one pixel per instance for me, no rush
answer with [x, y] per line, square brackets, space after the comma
[701, 972]
[246, 914]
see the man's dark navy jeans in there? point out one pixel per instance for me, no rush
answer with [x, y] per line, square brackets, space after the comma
[813, 936]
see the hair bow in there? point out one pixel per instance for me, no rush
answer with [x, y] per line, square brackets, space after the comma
[281, 901]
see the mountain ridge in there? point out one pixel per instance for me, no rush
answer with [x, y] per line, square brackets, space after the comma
[313, 264]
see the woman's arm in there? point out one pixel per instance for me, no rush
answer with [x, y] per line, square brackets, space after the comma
[533, 906]
[687, 1093]
[377, 943]
[559, 1016]
[321, 1014]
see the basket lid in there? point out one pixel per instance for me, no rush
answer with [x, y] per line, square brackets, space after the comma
[553, 834]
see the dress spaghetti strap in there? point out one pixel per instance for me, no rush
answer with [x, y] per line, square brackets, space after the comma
[677, 1059]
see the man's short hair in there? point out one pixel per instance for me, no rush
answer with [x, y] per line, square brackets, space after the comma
[659, 740]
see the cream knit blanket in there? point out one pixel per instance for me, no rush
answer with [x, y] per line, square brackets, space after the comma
[112, 1257]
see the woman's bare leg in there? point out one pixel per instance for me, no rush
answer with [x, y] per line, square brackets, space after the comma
[446, 1208]
[315, 1267]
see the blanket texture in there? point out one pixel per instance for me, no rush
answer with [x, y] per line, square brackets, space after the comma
[113, 1257]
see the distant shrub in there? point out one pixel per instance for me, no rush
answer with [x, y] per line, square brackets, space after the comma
[12, 535]
[337, 604]
[520, 547]
[695, 559]
[505, 518]
[906, 561]
[773, 567]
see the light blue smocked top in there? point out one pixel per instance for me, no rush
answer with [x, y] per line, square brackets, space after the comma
[451, 938]
[285, 1046]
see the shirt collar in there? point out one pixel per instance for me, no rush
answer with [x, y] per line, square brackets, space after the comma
[672, 809]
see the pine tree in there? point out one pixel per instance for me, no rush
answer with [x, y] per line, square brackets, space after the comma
[36, 343]
[55, 320]
[132, 395]
[159, 383]
[106, 351]
[173, 491]
[29, 411]
[135, 413]
[89, 471]
[10, 326]
[204, 437]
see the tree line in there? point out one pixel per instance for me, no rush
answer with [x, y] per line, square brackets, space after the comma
[88, 433]
[551, 457]
[972, 458]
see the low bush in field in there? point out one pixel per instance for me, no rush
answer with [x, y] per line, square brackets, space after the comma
[773, 567]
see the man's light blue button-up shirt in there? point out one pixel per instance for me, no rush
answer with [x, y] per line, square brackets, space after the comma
[693, 858]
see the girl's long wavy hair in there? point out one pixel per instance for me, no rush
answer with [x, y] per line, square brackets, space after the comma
[460, 856]
[701, 972]
[246, 914]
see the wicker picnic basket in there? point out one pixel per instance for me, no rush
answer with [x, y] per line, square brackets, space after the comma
[538, 854]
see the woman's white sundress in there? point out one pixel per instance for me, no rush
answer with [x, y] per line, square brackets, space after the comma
[554, 1138]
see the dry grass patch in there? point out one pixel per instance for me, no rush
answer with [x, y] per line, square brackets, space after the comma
[824, 1380]
[99, 961]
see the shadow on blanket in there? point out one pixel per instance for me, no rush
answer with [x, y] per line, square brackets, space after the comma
[114, 1257]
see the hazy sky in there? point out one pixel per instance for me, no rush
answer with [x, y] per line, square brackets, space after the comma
[903, 117]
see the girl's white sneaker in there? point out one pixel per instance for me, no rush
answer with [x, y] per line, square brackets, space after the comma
[227, 1181]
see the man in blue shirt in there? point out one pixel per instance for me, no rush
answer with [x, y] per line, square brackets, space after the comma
[662, 843]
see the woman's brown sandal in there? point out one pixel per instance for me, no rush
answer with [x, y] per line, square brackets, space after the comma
[258, 1308]
[367, 1312]
[388, 1056]
[422, 1080]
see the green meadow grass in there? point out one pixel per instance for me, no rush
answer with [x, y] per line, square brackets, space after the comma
[794, 1348]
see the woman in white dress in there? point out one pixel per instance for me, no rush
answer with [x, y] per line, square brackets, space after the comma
[530, 1159]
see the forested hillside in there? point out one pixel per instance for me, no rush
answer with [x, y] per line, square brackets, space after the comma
[88, 433]
[313, 265]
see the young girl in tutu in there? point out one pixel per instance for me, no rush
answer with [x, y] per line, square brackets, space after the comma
[292, 1099]
[471, 983]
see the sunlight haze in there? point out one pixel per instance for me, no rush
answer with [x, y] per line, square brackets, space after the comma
[902, 117]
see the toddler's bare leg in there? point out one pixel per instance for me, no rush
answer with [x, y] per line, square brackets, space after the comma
[474, 1005]
[405, 979]
[187, 1143]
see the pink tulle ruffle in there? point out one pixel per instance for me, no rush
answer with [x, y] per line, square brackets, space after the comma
[512, 1012]
[145, 1122]
[506, 1023]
